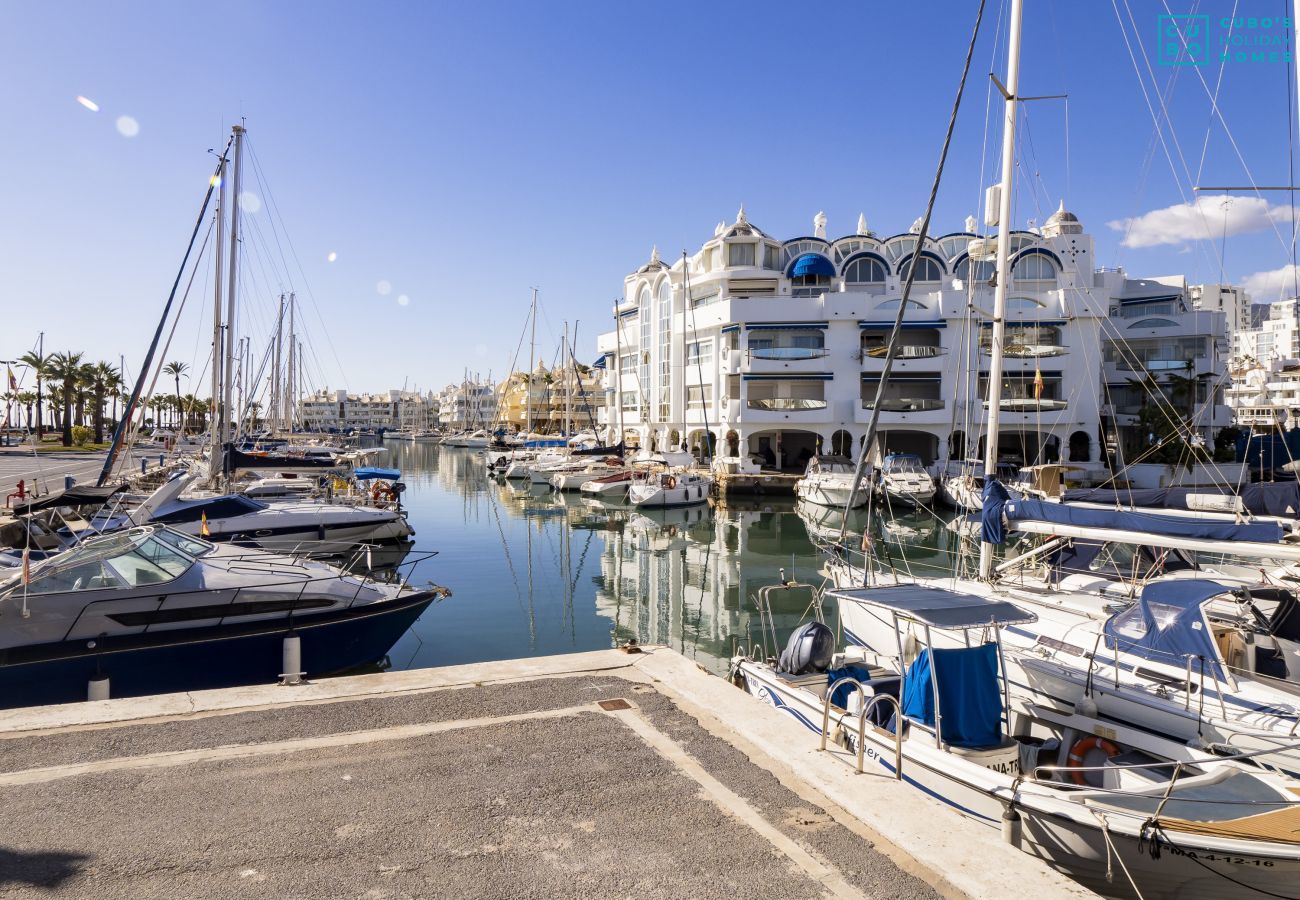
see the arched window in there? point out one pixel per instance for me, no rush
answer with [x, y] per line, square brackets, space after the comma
[1153, 323]
[1080, 447]
[1034, 267]
[665, 350]
[979, 271]
[865, 270]
[841, 443]
[928, 270]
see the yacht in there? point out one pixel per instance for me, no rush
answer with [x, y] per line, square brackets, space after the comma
[904, 480]
[675, 487]
[154, 610]
[828, 481]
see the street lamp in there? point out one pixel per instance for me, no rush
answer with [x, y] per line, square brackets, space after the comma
[9, 400]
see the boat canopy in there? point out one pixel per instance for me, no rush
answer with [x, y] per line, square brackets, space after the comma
[1168, 624]
[77, 495]
[1149, 523]
[366, 473]
[545, 442]
[969, 699]
[937, 607]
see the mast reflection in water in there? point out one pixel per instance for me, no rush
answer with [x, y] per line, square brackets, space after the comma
[536, 573]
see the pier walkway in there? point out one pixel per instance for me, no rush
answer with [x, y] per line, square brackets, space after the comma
[592, 774]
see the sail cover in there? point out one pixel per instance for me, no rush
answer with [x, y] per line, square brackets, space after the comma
[1167, 625]
[970, 701]
[1149, 523]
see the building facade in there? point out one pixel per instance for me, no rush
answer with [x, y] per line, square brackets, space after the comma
[771, 347]
[466, 406]
[327, 410]
[566, 399]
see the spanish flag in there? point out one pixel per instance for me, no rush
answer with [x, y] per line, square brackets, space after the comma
[13, 382]
[203, 524]
[1038, 382]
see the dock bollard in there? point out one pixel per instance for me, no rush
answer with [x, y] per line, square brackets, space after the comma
[144, 465]
[68, 482]
[97, 688]
[291, 660]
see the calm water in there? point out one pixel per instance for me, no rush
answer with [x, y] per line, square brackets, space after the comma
[536, 573]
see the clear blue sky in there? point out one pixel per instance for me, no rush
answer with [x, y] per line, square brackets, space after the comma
[464, 152]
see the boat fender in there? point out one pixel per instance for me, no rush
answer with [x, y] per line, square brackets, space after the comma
[909, 648]
[670, 482]
[1086, 706]
[1011, 826]
[1079, 752]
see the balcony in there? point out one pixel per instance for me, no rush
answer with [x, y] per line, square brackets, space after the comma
[904, 404]
[782, 404]
[905, 351]
[787, 353]
[1029, 404]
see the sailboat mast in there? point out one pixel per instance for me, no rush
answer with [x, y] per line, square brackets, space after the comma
[275, 367]
[568, 385]
[532, 363]
[618, 375]
[232, 287]
[291, 380]
[214, 459]
[994, 390]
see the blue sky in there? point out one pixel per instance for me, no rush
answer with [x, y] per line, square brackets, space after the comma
[460, 154]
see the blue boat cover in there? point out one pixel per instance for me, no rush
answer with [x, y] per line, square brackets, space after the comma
[1275, 498]
[365, 473]
[1151, 523]
[547, 442]
[1167, 624]
[992, 528]
[969, 697]
[812, 264]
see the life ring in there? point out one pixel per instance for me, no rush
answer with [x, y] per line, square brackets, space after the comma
[382, 492]
[1079, 752]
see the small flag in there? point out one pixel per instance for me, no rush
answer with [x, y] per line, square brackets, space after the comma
[27, 566]
[1038, 382]
[203, 525]
[13, 382]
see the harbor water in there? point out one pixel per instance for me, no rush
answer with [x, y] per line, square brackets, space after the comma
[535, 572]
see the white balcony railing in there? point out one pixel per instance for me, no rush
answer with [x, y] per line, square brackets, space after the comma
[785, 403]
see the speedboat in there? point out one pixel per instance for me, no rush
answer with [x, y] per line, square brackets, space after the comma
[574, 477]
[1125, 812]
[675, 487]
[904, 480]
[153, 609]
[828, 481]
[312, 526]
[609, 487]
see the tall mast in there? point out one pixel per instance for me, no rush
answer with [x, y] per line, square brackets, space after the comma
[291, 374]
[214, 457]
[618, 376]
[276, 345]
[568, 385]
[532, 352]
[232, 287]
[994, 390]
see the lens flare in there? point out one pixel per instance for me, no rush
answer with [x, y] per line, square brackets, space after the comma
[384, 288]
[249, 202]
[403, 300]
[127, 126]
[88, 103]
[333, 256]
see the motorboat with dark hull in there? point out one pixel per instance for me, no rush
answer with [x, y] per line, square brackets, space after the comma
[155, 610]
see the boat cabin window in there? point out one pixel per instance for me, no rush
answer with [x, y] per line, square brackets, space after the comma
[152, 562]
[183, 542]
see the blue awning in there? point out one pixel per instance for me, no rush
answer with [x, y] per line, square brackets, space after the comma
[812, 264]
[1012, 323]
[1167, 624]
[1150, 523]
[1138, 301]
[600, 363]
[787, 377]
[786, 326]
[366, 473]
[628, 312]
[727, 329]
[933, 323]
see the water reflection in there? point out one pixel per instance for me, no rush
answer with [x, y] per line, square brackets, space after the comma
[536, 573]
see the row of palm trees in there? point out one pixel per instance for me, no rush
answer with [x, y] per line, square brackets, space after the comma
[73, 390]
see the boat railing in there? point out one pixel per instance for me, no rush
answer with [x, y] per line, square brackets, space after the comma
[867, 705]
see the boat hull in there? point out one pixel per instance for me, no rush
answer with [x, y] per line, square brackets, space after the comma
[836, 495]
[204, 658]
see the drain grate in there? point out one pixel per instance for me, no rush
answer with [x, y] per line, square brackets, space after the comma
[613, 705]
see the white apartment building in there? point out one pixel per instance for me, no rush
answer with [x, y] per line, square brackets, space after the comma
[1265, 390]
[775, 347]
[338, 410]
[468, 405]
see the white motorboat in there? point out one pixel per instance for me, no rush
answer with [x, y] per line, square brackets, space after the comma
[609, 487]
[574, 478]
[674, 487]
[1124, 812]
[904, 480]
[828, 481]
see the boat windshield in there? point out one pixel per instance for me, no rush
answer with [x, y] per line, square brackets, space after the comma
[902, 463]
[126, 560]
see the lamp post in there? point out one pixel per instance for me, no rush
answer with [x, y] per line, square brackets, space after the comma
[9, 401]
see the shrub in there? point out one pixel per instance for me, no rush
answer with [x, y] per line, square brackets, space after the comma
[81, 435]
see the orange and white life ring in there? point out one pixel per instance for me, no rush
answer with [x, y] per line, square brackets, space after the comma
[1079, 752]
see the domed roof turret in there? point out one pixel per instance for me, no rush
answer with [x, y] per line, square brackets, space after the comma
[1062, 222]
[742, 227]
[655, 262]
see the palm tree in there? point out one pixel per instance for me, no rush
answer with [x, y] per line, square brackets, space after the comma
[26, 399]
[253, 409]
[103, 377]
[67, 369]
[40, 366]
[176, 369]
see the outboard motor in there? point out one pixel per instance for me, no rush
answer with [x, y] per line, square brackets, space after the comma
[809, 650]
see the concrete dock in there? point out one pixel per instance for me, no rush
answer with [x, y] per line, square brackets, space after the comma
[594, 774]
